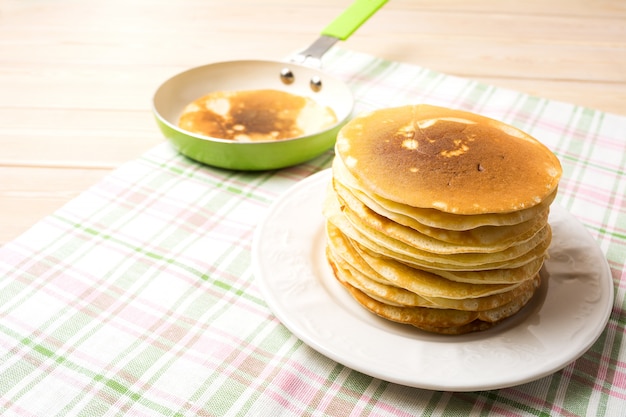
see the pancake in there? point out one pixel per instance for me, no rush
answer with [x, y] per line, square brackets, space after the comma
[450, 160]
[412, 279]
[380, 243]
[255, 115]
[443, 321]
[433, 217]
[418, 288]
[482, 239]
[483, 236]
[438, 218]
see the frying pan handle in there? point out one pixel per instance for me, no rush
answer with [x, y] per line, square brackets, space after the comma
[339, 29]
[352, 18]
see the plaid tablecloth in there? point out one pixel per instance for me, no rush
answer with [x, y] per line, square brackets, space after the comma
[138, 297]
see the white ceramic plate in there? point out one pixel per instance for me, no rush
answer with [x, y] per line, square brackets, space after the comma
[563, 320]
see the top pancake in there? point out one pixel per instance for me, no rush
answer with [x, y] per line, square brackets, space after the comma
[450, 160]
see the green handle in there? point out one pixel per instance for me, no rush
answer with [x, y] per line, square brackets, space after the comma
[352, 18]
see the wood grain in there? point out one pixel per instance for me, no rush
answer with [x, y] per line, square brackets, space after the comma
[77, 77]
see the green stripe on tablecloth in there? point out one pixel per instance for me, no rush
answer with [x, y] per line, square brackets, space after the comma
[379, 389]
[480, 94]
[146, 358]
[171, 260]
[496, 397]
[528, 113]
[219, 393]
[279, 339]
[222, 180]
[590, 376]
[44, 352]
[617, 221]
[574, 168]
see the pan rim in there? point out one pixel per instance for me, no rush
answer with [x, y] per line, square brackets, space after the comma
[162, 119]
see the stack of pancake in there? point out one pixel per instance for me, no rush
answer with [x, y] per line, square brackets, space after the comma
[438, 218]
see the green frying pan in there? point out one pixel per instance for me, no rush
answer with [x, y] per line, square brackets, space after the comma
[300, 75]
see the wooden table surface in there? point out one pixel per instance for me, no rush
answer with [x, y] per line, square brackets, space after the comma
[77, 76]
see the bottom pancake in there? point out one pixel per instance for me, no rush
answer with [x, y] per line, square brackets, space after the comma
[436, 320]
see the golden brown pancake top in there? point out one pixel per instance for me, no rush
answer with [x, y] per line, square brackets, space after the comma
[450, 160]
